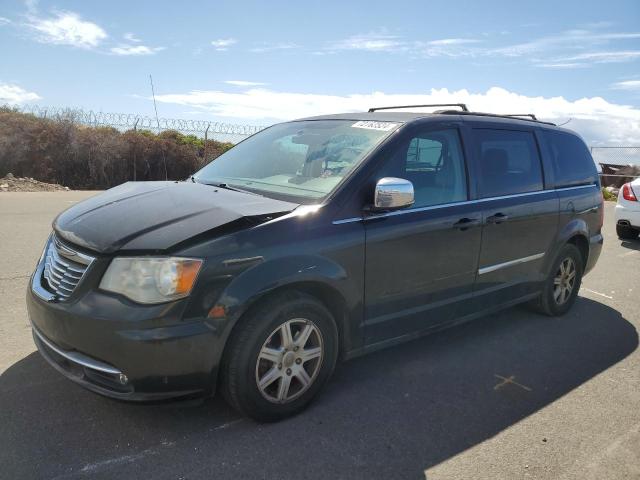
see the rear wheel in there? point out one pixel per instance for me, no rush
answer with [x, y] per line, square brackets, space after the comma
[280, 356]
[626, 232]
[562, 285]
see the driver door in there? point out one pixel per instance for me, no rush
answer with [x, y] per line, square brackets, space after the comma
[421, 261]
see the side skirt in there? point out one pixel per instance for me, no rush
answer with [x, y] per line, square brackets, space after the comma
[421, 333]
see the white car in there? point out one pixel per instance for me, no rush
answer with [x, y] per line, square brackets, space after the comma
[628, 211]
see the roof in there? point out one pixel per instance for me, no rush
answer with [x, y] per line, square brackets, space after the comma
[402, 117]
[406, 117]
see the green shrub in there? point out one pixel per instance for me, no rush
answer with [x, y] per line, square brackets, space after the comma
[609, 196]
[81, 157]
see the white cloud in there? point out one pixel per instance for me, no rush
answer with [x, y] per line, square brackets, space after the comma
[561, 65]
[244, 83]
[570, 39]
[130, 37]
[599, 121]
[14, 95]
[133, 50]
[373, 42]
[579, 47]
[270, 47]
[4, 21]
[449, 47]
[627, 85]
[452, 41]
[67, 28]
[223, 44]
[605, 57]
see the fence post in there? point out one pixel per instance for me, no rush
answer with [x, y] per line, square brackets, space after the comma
[206, 132]
[135, 129]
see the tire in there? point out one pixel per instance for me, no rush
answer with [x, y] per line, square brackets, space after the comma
[626, 233]
[550, 302]
[257, 353]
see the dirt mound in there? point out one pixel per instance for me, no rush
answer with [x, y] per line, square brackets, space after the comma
[27, 184]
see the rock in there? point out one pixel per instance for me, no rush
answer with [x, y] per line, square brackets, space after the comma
[9, 175]
[4, 185]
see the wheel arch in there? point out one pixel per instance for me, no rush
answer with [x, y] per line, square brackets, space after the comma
[575, 232]
[326, 294]
[582, 244]
[314, 275]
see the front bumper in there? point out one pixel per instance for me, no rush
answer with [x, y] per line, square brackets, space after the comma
[124, 350]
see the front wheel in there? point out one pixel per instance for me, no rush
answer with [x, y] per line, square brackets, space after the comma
[280, 356]
[561, 287]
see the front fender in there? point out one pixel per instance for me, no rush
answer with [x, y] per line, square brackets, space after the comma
[270, 275]
[265, 277]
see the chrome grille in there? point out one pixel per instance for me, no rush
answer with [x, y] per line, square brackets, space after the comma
[63, 268]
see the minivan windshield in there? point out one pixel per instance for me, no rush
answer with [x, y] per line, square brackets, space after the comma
[305, 160]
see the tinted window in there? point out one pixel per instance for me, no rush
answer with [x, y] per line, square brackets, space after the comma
[306, 160]
[434, 163]
[572, 162]
[509, 163]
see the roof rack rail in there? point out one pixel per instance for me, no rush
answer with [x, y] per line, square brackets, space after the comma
[462, 106]
[520, 115]
[523, 116]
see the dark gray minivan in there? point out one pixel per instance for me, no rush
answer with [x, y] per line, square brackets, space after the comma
[314, 240]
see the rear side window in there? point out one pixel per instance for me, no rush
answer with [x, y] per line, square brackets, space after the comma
[572, 162]
[509, 162]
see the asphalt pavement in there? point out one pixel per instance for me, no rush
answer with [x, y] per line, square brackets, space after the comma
[514, 395]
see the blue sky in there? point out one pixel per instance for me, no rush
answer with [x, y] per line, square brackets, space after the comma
[260, 62]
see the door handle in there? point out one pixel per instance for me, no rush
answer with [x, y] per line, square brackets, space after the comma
[465, 223]
[497, 218]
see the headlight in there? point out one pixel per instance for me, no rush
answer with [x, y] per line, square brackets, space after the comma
[151, 279]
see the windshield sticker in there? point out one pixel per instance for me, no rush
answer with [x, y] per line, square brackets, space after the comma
[373, 125]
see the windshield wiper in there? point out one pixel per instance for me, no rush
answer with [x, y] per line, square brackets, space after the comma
[233, 188]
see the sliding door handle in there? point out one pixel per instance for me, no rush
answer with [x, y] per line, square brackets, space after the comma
[465, 223]
[497, 218]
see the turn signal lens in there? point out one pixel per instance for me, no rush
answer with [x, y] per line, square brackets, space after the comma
[627, 193]
[187, 273]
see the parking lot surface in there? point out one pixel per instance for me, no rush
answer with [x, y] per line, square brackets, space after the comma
[513, 395]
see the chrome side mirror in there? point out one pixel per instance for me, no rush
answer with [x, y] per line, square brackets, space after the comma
[393, 193]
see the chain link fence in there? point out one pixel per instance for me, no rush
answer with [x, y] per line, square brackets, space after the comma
[220, 131]
[619, 164]
[616, 155]
[609, 157]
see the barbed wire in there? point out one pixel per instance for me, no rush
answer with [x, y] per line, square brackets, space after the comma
[140, 122]
[130, 121]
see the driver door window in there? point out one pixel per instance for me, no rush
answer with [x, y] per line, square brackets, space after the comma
[433, 161]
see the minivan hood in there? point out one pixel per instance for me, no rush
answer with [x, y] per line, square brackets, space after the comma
[155, 216]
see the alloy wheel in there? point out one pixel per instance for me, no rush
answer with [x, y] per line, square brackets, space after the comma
[289, 360]
[564, 281]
